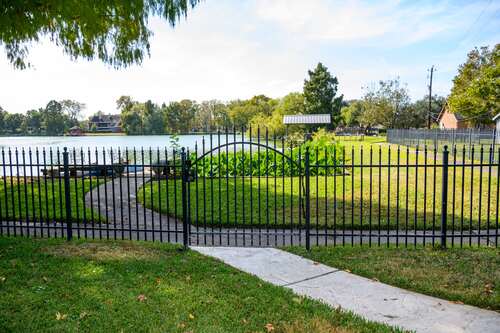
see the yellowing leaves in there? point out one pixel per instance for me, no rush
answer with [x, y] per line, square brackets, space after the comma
[61, 316]
[488, 288]
[269, 327]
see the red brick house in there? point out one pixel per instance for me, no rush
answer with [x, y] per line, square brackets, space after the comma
[448, 120]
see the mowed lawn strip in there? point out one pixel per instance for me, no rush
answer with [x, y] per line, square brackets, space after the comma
[334, 200]
[43, 199]
[468, 275]
[58, 286]
[385, 197]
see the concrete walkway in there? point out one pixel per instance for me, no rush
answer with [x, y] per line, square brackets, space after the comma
[116, 202]
[370, 299]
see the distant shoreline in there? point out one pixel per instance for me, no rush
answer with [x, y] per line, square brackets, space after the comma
[90, 134]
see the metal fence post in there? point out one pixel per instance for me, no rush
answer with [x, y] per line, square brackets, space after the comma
[444, 197]
[67, 197]
[185, 179]
[307, 203]
[492, 155]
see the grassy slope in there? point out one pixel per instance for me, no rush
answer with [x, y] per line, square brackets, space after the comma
[469, 275]
[51, 285]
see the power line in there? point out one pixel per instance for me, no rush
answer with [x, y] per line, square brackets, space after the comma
[473, 24]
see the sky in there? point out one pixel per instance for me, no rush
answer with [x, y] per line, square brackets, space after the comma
[228, 49]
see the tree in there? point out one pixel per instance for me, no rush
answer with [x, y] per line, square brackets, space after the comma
[320, 92]
[204, 118]
[420, 110]
[131, 119]
[115, 32]
[54, 121]
[292, 103]
[211, 115]
[179, 116]
[3, 113]
[124, 103]
[220, 115]
[352, 113]
[476, 88]
[130, 115]
[73, 109]
[13, 123]
[241, 112]
[33, 122]
[387, 105]
[153, 119]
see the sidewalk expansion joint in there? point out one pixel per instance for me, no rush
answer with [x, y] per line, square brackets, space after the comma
[310, 278]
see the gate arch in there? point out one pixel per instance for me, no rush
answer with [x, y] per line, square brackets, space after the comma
[217, 231]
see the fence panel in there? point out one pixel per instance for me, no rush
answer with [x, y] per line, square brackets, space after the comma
[436, 139]
[253, 189]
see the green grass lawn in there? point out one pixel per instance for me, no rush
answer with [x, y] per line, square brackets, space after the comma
[56, 286]
[469, 275]
[411, 195]
[384, 197]
[43, 199]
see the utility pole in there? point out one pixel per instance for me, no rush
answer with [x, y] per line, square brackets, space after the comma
[430, 99]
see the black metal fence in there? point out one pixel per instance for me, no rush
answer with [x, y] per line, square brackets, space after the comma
[255, 190]
[436, 139]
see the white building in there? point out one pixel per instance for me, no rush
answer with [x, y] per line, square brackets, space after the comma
[497, 127]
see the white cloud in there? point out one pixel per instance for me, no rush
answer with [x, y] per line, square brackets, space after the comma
[395, 22]
[318, 19]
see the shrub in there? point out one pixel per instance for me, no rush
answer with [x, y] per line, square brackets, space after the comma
[323, 150]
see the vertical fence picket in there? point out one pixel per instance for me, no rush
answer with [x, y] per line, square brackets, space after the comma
[67, 195]
[444, 198]
[307, 200]
[373, 208]
[185, 179]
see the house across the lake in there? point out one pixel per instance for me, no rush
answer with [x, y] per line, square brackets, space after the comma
[105, 123]
[75, 131]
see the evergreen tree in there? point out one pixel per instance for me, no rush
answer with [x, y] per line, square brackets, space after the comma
[320, 92]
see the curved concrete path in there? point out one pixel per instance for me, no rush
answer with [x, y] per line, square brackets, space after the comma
[128, 219]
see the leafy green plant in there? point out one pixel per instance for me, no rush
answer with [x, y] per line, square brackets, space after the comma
[323, 150]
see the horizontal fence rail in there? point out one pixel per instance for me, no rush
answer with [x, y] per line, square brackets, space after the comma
[254, 189]
[436, 139]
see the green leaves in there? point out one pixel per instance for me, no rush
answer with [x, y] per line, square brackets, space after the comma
[264, 161]
[476, 89]
[115, 32]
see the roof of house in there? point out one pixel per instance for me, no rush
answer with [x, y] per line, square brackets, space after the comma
[307, 119]
[105, 118]
[445, 109]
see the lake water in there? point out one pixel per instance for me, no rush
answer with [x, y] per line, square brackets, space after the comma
[108, 142]
[93, 149]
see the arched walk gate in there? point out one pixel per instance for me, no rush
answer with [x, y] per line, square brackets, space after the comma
[246, 193]
[251, 189]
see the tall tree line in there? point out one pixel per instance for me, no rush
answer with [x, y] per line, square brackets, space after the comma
[53, 119]
[319, 96]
